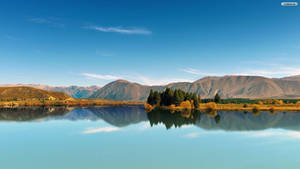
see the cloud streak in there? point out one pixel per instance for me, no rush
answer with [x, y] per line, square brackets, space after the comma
[49, 21]
[100, 130]
[198, 72]
[121, 30]
[136, 78]
[192, 135]
[165, 81]
[281, 134]
[102, 77]
[272, 72]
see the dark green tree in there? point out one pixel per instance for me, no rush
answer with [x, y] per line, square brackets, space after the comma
[217, 98]
[199, 98]
[150, 99]
[195, 100]
[156, 98]
[167, 97]
[178, 97]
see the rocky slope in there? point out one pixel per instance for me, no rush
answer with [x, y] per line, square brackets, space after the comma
[73, 91]
[226, 86]
[24, 93]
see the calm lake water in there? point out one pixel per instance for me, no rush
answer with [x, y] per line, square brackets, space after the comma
[130, 138]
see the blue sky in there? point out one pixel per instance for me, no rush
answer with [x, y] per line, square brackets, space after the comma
[149, 42]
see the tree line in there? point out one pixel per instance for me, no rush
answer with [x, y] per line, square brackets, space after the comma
[169, 97]
[175, 97]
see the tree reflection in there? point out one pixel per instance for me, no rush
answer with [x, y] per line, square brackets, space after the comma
[176, 119]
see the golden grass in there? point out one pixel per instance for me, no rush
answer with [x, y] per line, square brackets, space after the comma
[68, 102]
[210, 107]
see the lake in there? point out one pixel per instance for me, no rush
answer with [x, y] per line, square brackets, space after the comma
[130, 138]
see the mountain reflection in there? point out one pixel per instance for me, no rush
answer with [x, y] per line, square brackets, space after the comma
[117, 116]
[127, 115]
[30, 114]
[229, 121]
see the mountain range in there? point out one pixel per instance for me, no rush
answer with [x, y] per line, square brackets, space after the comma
[25, 92]
[227, 87]
[73, 91]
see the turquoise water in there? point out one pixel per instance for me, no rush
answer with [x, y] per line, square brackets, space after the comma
[129, 138]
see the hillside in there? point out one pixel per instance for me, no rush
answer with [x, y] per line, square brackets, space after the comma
[24, 93]
[294, 78]
[73, 91]
[124, 90]
[207, 87]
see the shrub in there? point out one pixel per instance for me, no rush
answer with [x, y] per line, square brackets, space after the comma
[172, 106]
[272, 110]
[148, 107]
[255, 109]
[211, 106]
[186, 104]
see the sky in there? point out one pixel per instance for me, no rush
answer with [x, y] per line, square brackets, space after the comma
[149, 42]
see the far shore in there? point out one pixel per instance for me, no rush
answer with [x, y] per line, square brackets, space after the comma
[231, 107]
[102, 102]
[70, 103]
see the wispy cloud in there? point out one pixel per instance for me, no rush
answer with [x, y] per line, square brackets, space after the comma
[274, 72]
[100, 130]
[276, 133]
[278, 71]
[9, 37]
[136, 78]
[198, 72]
[164, 81]
[145, 126]
[102, 77]
[192, 135]
[202, 133]
[121, 30]
[56, 22]
[193, 71]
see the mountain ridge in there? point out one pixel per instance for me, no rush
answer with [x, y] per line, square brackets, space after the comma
[73, 90]
[229, 86]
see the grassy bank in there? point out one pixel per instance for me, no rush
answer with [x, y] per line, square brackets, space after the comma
[230, 107]
[68, 102]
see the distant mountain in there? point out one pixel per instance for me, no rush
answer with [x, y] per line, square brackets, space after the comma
[23, 93]
[295, 78]
[73, 91]
[124, 90]
[207, 87]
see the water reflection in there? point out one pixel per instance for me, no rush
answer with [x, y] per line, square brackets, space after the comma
[227, 120]
[124, 116]
[30, 114]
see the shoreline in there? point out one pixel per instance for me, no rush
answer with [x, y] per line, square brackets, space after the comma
[67, 103]
[230, 107]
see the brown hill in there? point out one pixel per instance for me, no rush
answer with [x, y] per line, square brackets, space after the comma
[73, 91]
[226, 86]
[124, 90]
[294, 78]
[23, 93]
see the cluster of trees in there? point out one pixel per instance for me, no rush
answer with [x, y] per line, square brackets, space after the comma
[169, 97]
